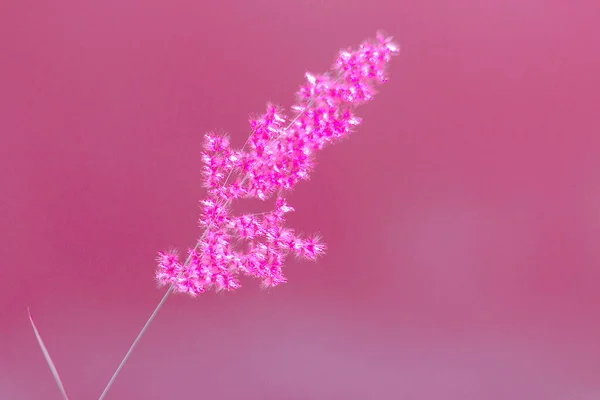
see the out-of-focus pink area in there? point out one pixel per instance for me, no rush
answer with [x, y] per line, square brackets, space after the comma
[462, 218]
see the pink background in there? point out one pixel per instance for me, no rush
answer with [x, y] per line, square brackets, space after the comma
[462, 218]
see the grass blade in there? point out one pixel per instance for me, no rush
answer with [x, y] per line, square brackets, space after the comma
[47, 357]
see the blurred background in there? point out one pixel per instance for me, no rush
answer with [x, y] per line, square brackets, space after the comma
[462, 218]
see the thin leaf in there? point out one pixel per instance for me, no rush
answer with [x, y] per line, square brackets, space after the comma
[47, 357]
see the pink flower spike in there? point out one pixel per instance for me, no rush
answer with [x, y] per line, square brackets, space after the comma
[278, 155]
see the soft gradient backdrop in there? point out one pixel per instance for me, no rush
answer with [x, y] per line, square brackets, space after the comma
[462, 218]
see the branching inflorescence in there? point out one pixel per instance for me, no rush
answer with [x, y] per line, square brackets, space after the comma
[281, 153]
